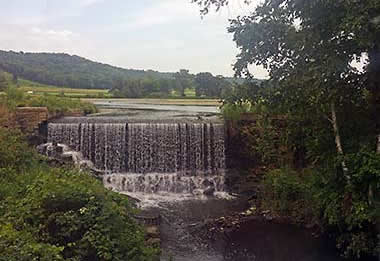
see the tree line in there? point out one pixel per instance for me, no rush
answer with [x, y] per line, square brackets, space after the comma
[182, 84]
[76, 72]
[68, 70]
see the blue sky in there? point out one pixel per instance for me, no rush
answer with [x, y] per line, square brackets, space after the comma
[163, 35]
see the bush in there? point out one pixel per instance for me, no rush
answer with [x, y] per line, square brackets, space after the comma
[16, 98]
[288, 193]
[14, 150]
[234, 111]
[61, 104]
[61, 214]
[341, 208]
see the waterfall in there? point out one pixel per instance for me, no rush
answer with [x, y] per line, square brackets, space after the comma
[150, 157]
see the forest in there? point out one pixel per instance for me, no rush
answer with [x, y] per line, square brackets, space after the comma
[75, 72]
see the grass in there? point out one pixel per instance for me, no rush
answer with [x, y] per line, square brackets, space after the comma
[41, 89]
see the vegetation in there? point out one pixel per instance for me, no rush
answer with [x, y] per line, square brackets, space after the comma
[330, 111]
[42, 89]
[183, 84]
[14, 97]
[44, 72]
[67, 71]
[60, 214]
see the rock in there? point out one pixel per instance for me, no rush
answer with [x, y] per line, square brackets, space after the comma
[153, 241]
[197, 192]
[152, 232]
[207, 183]
[209, 191]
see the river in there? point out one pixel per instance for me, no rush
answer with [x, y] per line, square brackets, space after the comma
[190, 227]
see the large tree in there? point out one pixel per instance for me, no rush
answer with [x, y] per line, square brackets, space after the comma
[308, 47]
[183, 81]
[315, 39]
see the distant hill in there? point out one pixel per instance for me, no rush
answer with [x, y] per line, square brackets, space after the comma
[69, 70]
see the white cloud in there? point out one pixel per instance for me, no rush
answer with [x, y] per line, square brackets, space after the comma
[163, 12]
[164, 35]
[37, 39]
[85, 3]
[63, 35]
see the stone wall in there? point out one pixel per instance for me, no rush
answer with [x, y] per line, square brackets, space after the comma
[29, 119]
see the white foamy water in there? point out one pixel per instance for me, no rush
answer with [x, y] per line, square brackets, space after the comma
[153, 162]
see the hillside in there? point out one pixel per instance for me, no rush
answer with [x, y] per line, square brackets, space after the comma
[68, 70]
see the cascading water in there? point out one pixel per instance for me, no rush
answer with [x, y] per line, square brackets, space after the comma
[150, 157]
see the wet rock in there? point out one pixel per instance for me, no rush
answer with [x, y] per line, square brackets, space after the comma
[67, 157]
[209, 191]
[152, 232]
[154, 241]
[207, 183]
[197, 192]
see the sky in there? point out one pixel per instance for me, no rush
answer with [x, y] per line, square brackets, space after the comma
[162, 35]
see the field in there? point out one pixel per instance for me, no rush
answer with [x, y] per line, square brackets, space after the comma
[91, 95]
[41, 89]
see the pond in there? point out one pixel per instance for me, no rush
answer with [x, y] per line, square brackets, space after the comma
[157, 109]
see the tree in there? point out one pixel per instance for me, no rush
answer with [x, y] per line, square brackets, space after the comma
[183, 81]
[308, 47]
[204, 84]
[68, 70]
[316, 39]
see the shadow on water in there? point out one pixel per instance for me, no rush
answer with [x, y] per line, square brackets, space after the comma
[276, 242]
[255, 240]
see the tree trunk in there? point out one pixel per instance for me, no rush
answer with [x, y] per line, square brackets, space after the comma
[374, 88]
[338, 141]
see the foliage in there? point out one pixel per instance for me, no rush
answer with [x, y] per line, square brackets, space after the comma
[78, 73]
[235, 111]
[61, 214]
[316, 198]
[61, 104]
[331, 108]
[67, 71]
[208, 85]
[288, 193]
[182, 84]
[14, 150]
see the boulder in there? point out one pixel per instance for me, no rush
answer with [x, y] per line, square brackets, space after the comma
[209, 191]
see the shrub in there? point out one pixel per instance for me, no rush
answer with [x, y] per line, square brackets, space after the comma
[341, 208]
[61, 104]
[287, 192]
[14, 150]
[61, 214]
[16, 98]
